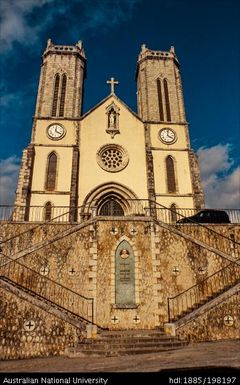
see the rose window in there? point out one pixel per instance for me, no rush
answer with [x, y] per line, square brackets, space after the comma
[112, 158]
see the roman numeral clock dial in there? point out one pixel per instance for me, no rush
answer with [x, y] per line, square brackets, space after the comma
[56, 131]
[167, 135]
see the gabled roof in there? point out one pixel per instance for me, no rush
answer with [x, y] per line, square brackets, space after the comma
[104, 100]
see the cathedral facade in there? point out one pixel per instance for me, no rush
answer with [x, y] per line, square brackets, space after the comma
[109, 155]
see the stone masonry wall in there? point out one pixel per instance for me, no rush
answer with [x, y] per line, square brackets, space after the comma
[47, 335]
[165, 265]
[221, 322]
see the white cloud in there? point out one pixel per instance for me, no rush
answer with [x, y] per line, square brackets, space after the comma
[221, 181]
[9, 169]
[17, 24]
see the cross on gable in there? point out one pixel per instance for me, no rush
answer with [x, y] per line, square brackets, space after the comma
[112, 81]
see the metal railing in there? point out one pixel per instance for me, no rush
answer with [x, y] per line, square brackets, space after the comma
[202, 292]
[135, 207]
[211, 236]
[22, 240]
[171, 216]
[48, 289]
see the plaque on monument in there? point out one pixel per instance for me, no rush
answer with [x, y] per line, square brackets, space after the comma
[125, 275]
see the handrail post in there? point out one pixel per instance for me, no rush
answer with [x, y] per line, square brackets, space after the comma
[169, 316]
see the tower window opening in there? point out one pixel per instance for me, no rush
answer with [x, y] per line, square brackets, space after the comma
[167, 102]
[171, 180]
[55, 95]
[173, 213]
[51, 172]
[48, 211]
[160, 102]
[63, 94]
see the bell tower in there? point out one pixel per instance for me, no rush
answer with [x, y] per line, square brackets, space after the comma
[49, 171]
[173, 172]
[60, 91]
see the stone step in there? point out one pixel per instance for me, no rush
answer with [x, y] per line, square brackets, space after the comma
[131, 333]
[135, 340]
[122, 352]
[128, 345]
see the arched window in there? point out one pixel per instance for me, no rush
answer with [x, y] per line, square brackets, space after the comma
[55, 95]
[63, 94]
[48, 211]
[167, 103]
[111, 208]
[173, 213]
[160, 102]
[171, 181]
[51, 172]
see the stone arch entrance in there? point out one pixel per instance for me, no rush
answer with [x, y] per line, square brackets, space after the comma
[111, 199]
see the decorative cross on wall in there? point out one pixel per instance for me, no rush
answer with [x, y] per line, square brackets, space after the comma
[71, 271]
[228, 320]
[136, 319]
[133, 231]
[44, 270]
[29, 325]
[176, 270]
[112, 81]
[114, 231]
[115, 319]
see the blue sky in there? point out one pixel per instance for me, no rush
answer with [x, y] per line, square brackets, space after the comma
[206, 38]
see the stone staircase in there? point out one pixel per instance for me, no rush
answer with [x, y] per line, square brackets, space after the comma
[126, 342]
[115, 343]
[204, 293]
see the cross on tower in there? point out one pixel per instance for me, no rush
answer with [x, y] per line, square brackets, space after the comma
[112, 81]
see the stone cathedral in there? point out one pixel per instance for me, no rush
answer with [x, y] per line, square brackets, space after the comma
[93, 244]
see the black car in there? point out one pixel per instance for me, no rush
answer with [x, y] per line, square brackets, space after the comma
[207, 216]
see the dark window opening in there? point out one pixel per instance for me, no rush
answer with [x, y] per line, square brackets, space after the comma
[171, 182]
[48, 211]
[63, 94]
[111, 208]
[168, 111]
[51, 172]
[160, 102]
[55, 95]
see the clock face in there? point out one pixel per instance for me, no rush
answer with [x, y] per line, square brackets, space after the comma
[56, 131]
[167, 135]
